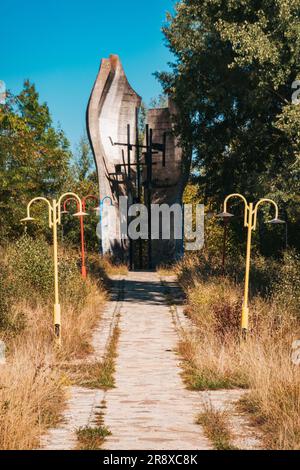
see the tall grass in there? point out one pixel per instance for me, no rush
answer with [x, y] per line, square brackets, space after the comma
[215, 357]
[32, 382]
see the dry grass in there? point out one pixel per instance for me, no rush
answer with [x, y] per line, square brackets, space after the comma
[113, 269]
[209, 364]
[32, 380]
[31, 393]
[166, 270]
[78, 325]
[216, 358]
[274, 397]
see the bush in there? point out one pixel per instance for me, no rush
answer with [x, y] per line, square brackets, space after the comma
[215, 359]
[31, 267]
[5, 299]
[32, 271]
[72, 287]
[286, 289]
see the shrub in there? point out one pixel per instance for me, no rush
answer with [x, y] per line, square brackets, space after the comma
[286, 288]
[31, 267]
[213, 358]
[32, 272]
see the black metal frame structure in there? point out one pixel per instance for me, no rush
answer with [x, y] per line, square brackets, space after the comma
[143, 159]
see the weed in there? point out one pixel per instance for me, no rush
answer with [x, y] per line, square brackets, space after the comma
[216, 428]
[91, 438]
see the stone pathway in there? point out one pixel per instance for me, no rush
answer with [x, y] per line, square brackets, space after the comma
[150, 408]
[84, 404]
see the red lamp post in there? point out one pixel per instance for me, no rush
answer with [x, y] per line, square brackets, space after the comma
[84, 200]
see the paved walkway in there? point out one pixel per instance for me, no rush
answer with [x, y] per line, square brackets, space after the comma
[83, 404]
[150, 408]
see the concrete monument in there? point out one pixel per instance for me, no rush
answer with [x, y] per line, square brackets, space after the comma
[112, 129]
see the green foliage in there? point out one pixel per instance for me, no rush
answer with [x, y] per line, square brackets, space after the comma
[6, 299]
[32, 272]
[34, 158]
[231, 80]
[92, 438]
[269, 277]
[10, 319]
[32, 267]
[210, 379]
[72, 287]
[84, 183]
[161, 101]
[84, 165]
[286, 287]
[101, 374]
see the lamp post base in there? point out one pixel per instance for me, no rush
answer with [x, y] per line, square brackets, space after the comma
[244, 334]
[57, 323]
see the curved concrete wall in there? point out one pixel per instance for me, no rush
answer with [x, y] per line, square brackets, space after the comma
[112, 106]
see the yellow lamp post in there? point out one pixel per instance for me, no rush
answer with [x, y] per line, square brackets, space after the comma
[250, 222]
[54, 216]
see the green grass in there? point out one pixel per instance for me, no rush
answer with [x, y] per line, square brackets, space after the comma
[101, 374]
[207, 379]
[90, 438]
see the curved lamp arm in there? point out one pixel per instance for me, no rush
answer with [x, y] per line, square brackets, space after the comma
[102, 204]
[67, 201]
[262, 201]
[240, 196]
[106, 198]
[68, 195]
[37, 199]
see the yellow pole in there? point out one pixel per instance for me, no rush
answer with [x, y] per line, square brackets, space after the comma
[54, 221]
[57, 313]
[245, 308]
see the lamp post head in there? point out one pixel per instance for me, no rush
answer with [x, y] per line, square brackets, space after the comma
[80, 214]
[225, 215]
[64, 211]
[27, 219]
[276, 221]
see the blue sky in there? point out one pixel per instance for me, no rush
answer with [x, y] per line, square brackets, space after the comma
[59, 44]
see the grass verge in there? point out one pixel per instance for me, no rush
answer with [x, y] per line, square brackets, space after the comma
[215, 357]
[32, 380]
[99, 374]
[91, 438]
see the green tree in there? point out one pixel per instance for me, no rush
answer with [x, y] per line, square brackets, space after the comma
[83, 181]
[161, 101]
[34, 157]
[231, 81]
[84, 161]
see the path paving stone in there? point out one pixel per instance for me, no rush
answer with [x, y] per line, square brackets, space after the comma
[150, 408]
[84, 404]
